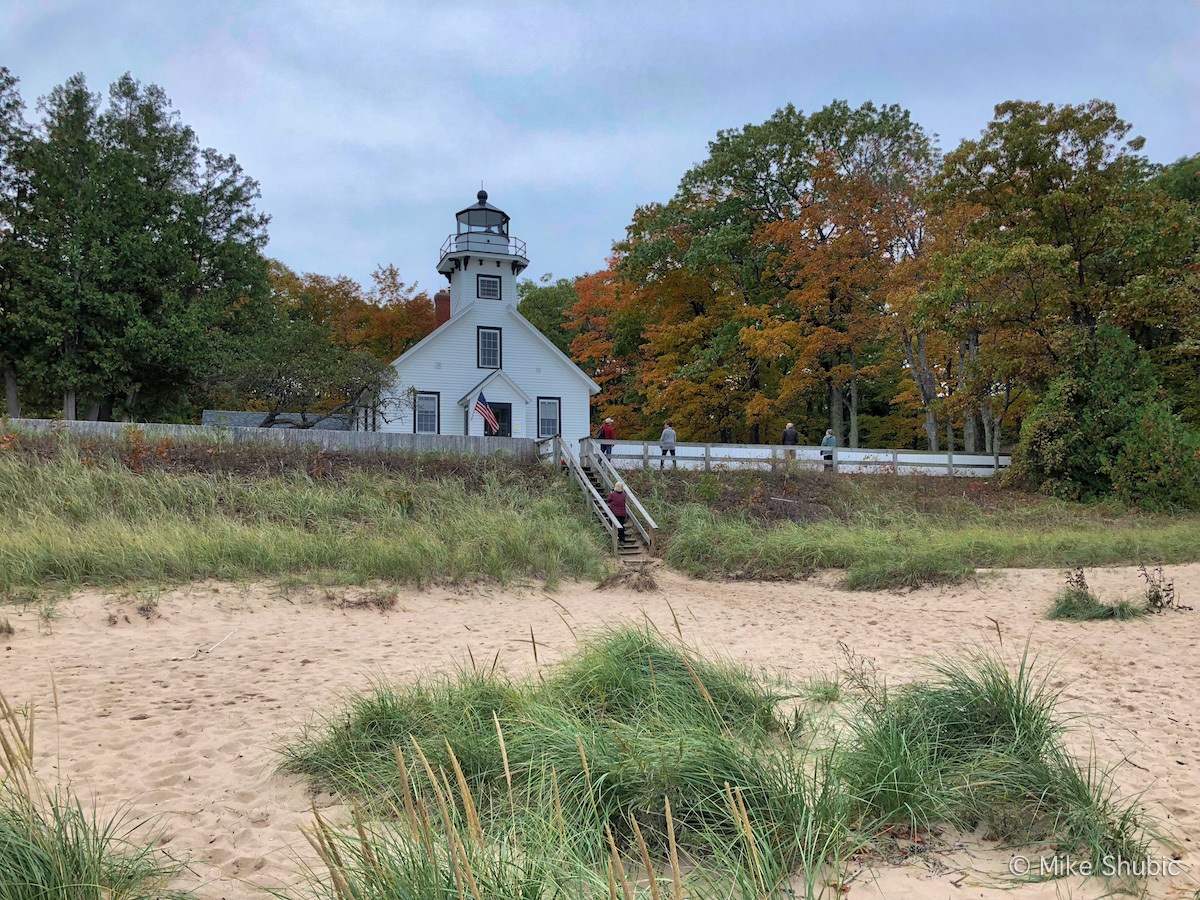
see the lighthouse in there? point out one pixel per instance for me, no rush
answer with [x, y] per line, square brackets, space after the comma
[481, 260]
[486, 371]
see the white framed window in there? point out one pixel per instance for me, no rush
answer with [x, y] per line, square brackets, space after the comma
[425, 416]
[487, 287]
[488, 350]
[549, 416]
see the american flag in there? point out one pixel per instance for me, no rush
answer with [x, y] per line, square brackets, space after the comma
[481, 407]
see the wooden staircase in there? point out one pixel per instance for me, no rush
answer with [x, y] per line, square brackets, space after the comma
[595, 476]
[632, 548]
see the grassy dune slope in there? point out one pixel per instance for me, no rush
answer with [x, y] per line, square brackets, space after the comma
[889, 531]
[112, 512]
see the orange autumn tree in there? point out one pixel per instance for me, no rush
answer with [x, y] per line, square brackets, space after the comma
[384, 321]
[605, 345]
[695, 369]
[855, 217]
[396, 315]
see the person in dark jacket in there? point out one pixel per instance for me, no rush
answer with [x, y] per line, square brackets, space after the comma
[616, 502]
[791, 438]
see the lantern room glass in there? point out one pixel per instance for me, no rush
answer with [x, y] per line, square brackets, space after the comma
[483, 218]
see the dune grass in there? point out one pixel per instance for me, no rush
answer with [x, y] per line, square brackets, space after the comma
[1081, 605]
[638, 767]
[52, 847]
[892, 531]
[979, 743]
[77, 514]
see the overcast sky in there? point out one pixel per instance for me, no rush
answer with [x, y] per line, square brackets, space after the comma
[369, 124]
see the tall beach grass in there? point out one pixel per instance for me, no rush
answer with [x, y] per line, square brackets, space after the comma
[54, 848]
[893, 531]
[638, 767]
[86, 516]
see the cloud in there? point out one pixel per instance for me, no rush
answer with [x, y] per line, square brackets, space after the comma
[370, 122]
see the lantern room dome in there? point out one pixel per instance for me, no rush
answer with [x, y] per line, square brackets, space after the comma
[482, 230]
[482, 217]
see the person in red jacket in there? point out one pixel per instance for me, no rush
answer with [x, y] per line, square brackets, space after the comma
[607, 432]
[616, 502]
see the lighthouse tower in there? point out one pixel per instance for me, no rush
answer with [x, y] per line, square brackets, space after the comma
[481, 260]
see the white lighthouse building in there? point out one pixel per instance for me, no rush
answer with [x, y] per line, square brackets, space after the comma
[483, 347]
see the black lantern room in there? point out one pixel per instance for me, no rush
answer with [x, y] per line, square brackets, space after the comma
[483, 218]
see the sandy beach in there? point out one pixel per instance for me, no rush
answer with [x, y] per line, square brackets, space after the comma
[176, 714]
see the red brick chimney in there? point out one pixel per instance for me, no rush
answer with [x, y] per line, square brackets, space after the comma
[441, 308]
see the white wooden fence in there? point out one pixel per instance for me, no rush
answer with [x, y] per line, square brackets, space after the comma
[714, 457]
[349, 441]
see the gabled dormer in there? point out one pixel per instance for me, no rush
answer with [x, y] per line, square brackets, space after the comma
[481, 260]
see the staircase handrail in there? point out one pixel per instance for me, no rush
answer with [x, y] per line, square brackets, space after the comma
[642, 521]
[599, 505]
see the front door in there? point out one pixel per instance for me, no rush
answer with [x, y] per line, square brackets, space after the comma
[503, 414]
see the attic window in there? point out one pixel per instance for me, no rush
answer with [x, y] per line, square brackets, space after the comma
[488, 287]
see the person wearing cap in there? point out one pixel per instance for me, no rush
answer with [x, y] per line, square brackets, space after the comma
[616, 502]
[791, 440]
[609, 433]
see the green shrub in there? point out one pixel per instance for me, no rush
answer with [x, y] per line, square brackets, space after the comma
[1157, 465]
[1103, 429]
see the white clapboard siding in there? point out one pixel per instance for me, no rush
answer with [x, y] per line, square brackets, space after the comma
[446, 362]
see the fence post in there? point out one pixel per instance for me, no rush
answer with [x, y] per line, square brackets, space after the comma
[708, 457]
[558, 460]
[835, 460]
[950, 463]
[895, 463]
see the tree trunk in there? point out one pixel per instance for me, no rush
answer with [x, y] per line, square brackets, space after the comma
[836, 422]
[10, 393]
[969, 423]
[926, 384]
[69, 404]
[931, 429]
[854, 411]
[950, 434]
[92, 413]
